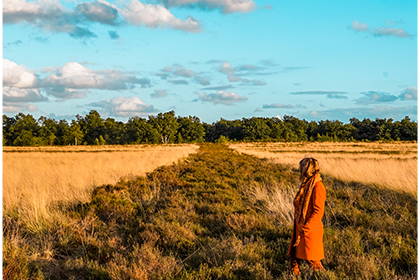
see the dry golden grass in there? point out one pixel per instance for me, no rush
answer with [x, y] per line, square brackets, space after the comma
[393, 165]
[277, 200]
[35, 177]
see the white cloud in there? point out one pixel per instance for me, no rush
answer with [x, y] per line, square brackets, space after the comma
[124, 107]
[224, 87]
[375, 97]
[159, 93]
[233, 76]
[255, 82]
[102, 12]
[380, 31]
[220, 97]
[179, 71]
[153, 16]
[320, 92]
[336, 96]
[409, 94]
[66, 93]
[15, 94]
[202, 81]
[47, 15]
[230, 72]
[51, 16]
[76, 76]
[359, 26]
[15, 11]
[397, 32]
[12, 107]
[19, 86]
[17, 75]
[70, 81]
[226, 6]
[277, 105]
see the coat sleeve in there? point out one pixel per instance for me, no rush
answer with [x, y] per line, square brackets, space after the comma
[318, 199]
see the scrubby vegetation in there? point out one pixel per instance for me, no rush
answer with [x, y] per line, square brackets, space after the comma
[25, 130]
[211, 216]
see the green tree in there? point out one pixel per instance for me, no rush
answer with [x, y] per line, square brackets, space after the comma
[276, 128]
[25, 138]
[191, 129]
[408, 129]
[138, 130]
[166, 124]
[230, 129]
[48, 129]
[295, 129]
[63, 129]
[312, 130]
[75, 135]
[113, 131]
[8, 130]
[365, 130]
[255, 129]
[179, 138]
[384, 129]
[92, 126]
[24, 131]
[222, 139]
[346, 132]
[102, 140]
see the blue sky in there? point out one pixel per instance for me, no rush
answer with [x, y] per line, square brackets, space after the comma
[214, 59]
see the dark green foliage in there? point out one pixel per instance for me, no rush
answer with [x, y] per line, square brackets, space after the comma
[138, 131]
[114, 131]
[48, 130]
[166, 125]
[255, 129]
[230, 129]
[194, 220]
[92, 126]
[24, 130]
[190, 130]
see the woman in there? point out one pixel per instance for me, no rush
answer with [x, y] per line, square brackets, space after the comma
[306, 243]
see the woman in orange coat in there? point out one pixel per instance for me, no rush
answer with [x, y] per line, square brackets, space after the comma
[308, 231]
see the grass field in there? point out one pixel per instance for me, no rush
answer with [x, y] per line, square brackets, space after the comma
[393, 165]
[36, 177]
[216, 214]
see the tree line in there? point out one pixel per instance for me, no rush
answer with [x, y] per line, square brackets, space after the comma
[92, 129]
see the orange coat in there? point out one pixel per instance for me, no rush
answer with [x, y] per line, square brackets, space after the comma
[310, 246]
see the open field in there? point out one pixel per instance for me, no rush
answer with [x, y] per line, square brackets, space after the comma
[35, 177]
[393, 165]
[215, 214]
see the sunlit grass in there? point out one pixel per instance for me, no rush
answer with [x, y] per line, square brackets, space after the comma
[34, 178]
[393, 165]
